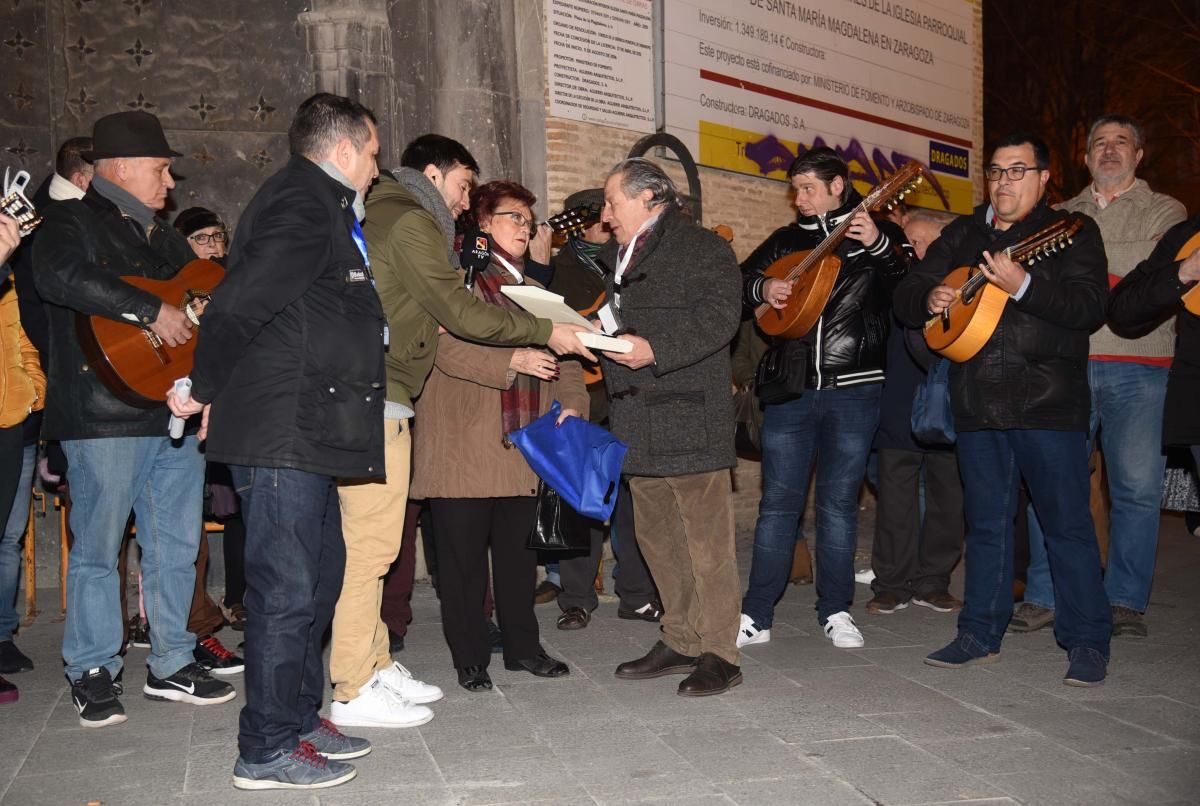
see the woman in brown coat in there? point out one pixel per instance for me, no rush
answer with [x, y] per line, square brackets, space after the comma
[480, 489]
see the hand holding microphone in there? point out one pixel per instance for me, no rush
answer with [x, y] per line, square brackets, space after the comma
[179, 401]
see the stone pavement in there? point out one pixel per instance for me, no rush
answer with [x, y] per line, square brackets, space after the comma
[810, 725]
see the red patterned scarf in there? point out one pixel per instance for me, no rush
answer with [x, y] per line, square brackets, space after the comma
[520, 403]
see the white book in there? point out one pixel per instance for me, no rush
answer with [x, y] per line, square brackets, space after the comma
[548, 305]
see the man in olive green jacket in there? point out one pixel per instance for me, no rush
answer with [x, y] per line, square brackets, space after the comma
[409, 232]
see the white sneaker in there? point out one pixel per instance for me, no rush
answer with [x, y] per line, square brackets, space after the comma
[841, 630]
[377, 706]
[401, 681]
[749, 633]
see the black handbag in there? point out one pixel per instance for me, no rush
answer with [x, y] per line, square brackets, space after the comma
[781, 372]
[556, 525]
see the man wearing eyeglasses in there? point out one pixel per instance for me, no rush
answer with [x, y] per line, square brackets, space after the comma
[205, 232]
[1021, 408]
[1126, 375]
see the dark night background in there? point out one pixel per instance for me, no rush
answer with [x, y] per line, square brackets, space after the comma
[1052, 66]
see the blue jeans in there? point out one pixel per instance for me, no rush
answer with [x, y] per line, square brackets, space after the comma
[1127, 407]
[10, 546]
[1054, 464]
[295, 561]
[163, 484]
[833, 428]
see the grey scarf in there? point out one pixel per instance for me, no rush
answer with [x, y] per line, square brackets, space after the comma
[360, 207]
[126, 202]
[427, 196]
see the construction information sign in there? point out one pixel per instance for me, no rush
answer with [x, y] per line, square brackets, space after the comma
[751, 83]
[602, 62]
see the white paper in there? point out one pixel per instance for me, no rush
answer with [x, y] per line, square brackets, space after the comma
[548, 305]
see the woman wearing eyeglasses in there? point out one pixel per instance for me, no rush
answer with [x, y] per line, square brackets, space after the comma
[481, 491]
[205, 232]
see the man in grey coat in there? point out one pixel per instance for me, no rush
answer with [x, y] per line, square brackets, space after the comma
[674, 293]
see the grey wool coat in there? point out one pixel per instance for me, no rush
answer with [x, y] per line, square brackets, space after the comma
[682, 293]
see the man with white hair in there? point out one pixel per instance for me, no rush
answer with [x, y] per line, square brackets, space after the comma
[121, 456]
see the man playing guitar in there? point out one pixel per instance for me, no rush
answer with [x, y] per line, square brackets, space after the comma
[833, 422]
[1021, 408]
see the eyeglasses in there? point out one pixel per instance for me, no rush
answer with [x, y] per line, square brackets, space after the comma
[204, 238]
[520, 220]
[1014, 172]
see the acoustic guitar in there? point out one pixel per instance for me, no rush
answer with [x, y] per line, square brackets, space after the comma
[573, 222]
[136, 365]
[813, 272]
[1191, 297]
[968, 322]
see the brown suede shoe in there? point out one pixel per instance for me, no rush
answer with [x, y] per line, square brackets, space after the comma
[713, 675]
[546, 592]
[660, 660]
[884, 604]
[941, 601]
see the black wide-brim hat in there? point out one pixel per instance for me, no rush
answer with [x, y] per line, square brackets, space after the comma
[128, 134]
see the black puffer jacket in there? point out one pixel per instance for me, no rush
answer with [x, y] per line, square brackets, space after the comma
[849, 342]
[1032, 373]
[291, 346]
[81, 250]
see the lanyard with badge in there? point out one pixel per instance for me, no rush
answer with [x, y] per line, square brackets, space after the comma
[609, 312]
[361, 242]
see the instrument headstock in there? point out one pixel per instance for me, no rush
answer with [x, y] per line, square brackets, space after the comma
[893, 190]
[575, 220]
[16, 206]
[1048, 240]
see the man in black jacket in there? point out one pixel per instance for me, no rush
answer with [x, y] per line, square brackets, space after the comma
[121, 457]
[291, 362]
[1021, 409]
[834, 421]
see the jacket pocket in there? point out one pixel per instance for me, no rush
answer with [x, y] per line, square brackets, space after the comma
[677, 423]
[340, 414]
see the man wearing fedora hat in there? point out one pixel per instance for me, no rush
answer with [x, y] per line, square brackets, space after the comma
[121, 457]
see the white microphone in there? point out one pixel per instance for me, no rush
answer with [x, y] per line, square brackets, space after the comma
[183, 391]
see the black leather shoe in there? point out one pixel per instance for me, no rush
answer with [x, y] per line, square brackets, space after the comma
[660, 660]
[574, 618]
[651, 611]
[713, 675]
[541, 666]
[13, 660]
[474, 678]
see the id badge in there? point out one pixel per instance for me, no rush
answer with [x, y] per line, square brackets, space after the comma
[608, 319]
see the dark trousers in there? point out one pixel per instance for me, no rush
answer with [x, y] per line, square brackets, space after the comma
[295, 560]
[464, 528]
[634, 585]
[396, 607]
[577, 569]
[914, 555]
[233, 544]
[1055, 467]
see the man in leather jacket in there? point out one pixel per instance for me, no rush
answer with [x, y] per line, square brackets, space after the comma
[1021, 408]
[121, 457]
[833, 422]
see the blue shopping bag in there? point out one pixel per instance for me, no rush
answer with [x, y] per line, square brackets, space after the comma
[579, 460]
[932, 414]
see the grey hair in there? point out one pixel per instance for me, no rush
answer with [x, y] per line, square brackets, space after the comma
[638, 174]
[1139, 135]
[935, 217]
